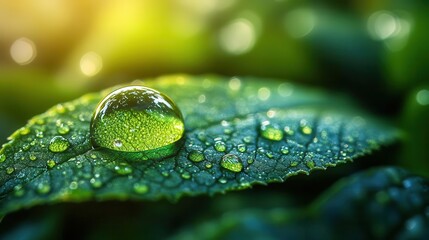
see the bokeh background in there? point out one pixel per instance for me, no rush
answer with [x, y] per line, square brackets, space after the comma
[375, 51]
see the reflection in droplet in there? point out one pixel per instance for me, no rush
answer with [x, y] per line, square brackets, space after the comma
[23, 51]
[300, 22]
[422, 97]
[237, 37]
[91, 63]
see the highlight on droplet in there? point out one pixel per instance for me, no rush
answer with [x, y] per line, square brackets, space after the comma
[91, 64]
[23, 51]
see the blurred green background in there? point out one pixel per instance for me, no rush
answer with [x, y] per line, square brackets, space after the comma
[375, 51]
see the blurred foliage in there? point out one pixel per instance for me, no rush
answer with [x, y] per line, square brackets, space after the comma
[375, 51]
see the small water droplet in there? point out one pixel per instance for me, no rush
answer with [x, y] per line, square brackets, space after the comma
[33, 157]
[294, 164]
[18, 190]
[123, 169]
[284, 150]
[247, 139]
[269, 154]
[140, 188]
[2, 157]
[310, 164]
[165, 173]
[250, 160]
[196, 156]
[10, 170]
[63, 129]
[39, 134]
[306, 130]
[222, 180]
[186, 175]
[241, 147]
[209, 165]
[220, 146]
[270, 131]
[50, 163]
[58, 144]
[43, 188]
[136, 119]
[231, 162]
[96, 182]
[288, 131]
[26, 147]
[73, 185]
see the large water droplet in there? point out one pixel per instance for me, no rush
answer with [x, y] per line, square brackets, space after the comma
[270, 131]
[137, 119]
[58, 144]
[231, 162]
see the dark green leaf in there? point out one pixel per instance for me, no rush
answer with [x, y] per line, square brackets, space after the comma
[382, 203]
[308, 130]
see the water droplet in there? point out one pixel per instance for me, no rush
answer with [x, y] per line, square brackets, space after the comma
[10, 170]
[24, 131]
[222, 180]
[33, 157]
[284, 150]
[186, 175]
[241, 147]
[250, 160]
[63, 129]
[165, 173]
[247, 139]
[310, 164]
[136, 119]
[209, 165]
[58, 144]
[123, 169]
[231, 162]
[220, 146]
[2, 157]
[43, 188]
[306, 130]
[95, 182]
[196, 156]
[50, 163]
[26, 147]
[294, 164]
[270, 131]
[18, 190]
[73, 185]
[140, 188]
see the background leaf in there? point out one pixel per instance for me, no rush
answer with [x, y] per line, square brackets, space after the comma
[380, 203]
[312, 130]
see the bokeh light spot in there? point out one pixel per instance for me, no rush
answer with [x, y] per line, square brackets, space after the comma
[23, 51]
[90, 64]
[422, 97]
[300, 22]
[237, 37]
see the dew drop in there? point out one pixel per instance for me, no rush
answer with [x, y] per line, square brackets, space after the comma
[270, 131]
[284, 150]
[196, 156]
[123, 169]
[63, 129]
[50, 163]
[136, 119]
[33, 157]
[73, 185]
[140, 188]
[43, 188]
[231, 162]
[58, 144]
[209, 165]
[18, 190]
[241, 147]
[186, 175]
[2, 157]
[10, 170]
[222, 180]
[220, 146]
[306, 130]
[310, 164]
[95, 182]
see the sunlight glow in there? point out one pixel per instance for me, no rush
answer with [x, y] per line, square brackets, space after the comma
[90, 64]
[238, 37]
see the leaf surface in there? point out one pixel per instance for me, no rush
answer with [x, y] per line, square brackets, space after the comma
[272, 129]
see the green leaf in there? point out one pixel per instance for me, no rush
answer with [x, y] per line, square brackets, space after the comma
[380, 203]
[307, 130]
